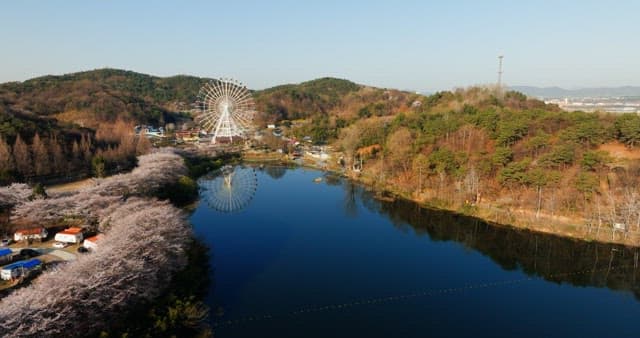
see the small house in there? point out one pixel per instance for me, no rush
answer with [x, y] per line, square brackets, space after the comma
[70, 235]
[19, 269]
[30, 234]
[91, 243]
[5, 255]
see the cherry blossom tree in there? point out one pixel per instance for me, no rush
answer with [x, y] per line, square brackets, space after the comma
[143, 246]
[14, 194]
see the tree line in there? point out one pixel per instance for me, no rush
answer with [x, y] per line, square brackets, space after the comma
[113, 147]
[479, 146]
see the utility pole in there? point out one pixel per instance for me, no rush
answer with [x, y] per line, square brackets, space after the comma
[500, 57]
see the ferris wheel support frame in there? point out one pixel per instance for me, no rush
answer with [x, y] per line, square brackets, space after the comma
[226, 109]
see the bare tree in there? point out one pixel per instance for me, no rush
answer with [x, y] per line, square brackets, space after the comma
[58, 157]
[22, 156]
[6, 158]
[41, 161]
[143, 146]
[76, 155]
[85, 147]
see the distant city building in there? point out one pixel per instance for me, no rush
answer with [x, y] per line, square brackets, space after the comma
[593, 104]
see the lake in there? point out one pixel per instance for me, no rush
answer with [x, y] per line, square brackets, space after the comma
[298, 258]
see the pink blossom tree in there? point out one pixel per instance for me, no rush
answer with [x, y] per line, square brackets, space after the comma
[143, 246]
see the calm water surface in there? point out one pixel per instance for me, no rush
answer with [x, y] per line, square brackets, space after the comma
[307, 259]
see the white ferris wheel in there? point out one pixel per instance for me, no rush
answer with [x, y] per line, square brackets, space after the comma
[226, 109]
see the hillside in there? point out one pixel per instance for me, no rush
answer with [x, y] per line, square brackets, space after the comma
[500, 155]
[104, 95]
[506, 158]
[329, 96]
[88, 114]
[88, 98]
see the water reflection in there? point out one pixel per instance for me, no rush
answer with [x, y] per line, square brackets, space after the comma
[553, 258]
[275, 172]
[229, 189]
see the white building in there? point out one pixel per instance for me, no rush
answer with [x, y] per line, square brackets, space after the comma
[18, 269]
[70, 235]
[34, 233]
[91, 243]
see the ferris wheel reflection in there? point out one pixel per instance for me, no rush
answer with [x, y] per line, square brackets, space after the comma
[229, 189]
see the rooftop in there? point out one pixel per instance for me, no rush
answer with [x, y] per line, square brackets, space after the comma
[32, 231]
[93, 238]
[71, 231]
[23, 264]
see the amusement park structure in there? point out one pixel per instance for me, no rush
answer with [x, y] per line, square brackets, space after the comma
[226, 109]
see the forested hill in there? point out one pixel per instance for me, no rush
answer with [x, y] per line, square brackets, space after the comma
[87, 115]
[88, 98]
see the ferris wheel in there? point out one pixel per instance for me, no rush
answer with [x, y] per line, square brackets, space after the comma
[226, 109]
[229, 190]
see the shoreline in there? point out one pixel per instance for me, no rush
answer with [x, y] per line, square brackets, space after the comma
[512, 218]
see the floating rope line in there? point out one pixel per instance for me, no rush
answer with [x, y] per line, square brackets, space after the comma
[381, 300]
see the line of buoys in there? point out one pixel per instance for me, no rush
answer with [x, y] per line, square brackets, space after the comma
[379, 300]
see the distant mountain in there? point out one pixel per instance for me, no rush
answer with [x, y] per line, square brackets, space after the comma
[548, 92]
[104, 95]
[329, 96]
[88, 98]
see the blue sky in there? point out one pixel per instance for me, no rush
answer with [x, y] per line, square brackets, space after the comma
[418, 45]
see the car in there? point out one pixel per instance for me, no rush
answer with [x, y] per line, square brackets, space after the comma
[5, 242]
[29, 253]
[82, 249]
[60, 245]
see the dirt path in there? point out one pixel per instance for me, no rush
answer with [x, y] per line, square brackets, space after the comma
[71, 186]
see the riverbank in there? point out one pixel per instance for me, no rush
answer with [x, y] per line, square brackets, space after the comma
[568, 226]
[560, 225]
[335, 254]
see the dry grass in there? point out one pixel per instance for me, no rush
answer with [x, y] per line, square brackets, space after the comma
[71, 186]
[619, 151]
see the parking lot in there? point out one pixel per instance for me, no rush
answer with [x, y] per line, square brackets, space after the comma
[49, 255]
